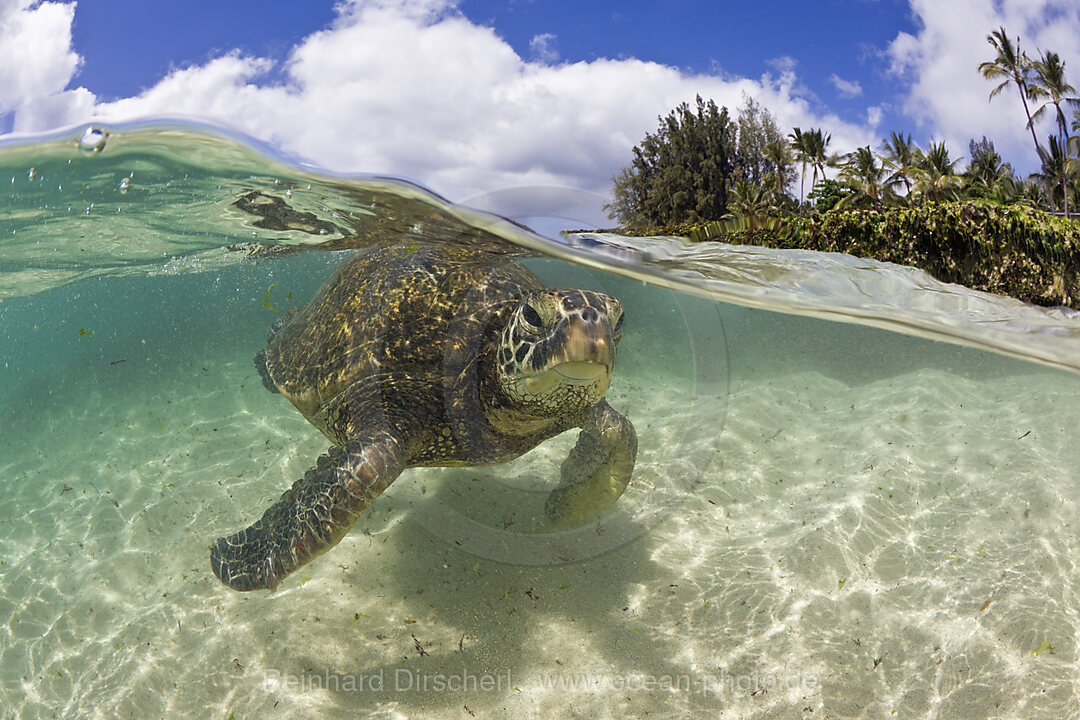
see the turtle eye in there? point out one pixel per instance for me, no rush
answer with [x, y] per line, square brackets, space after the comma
[531, 317]
[617, 330]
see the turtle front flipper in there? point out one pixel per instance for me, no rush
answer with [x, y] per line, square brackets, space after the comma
[260, 357]
[260, 364]
[597, 470]
[311, 517]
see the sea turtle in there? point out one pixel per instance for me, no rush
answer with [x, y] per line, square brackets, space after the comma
[434, 356]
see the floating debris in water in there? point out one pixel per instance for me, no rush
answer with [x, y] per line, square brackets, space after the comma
[266, 297]
[1045, 647]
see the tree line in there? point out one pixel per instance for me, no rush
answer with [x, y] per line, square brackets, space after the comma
[702, 165]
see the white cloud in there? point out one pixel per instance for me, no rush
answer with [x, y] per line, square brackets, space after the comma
[413, 88]
[947, 94]
[36, 60]
[846, 88]
[783, 64]
[874, 115]
[543, 48]
[222, 89]
[54, 111]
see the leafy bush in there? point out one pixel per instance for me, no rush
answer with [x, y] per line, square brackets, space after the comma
[1010, 250]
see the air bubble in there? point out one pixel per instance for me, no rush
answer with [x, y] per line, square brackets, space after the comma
[125, 185]
[92, 140]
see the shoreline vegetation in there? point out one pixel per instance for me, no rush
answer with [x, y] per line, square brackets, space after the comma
[1013, 250]
[708, 177]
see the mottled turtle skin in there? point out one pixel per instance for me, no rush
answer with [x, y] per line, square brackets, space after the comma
[434, 356]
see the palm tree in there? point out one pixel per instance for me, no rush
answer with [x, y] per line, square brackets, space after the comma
[1012, 66]
[812, 148]
[747, 203]
[1059, 163]
[1050, 78]
[1006, 190]
[819, 153]
[801, 146]
[937, 174]
[988, 171]
[778, 153]
[862, 169]
[903, 158]
[1072, 164]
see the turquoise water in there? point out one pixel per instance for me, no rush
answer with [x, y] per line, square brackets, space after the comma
[856, 488]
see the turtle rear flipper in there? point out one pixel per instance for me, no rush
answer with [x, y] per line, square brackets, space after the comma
[311, 517]
[597, 470]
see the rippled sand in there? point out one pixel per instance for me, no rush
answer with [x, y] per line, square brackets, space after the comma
[803, 547]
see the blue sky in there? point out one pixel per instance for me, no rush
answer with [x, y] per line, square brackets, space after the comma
[475, 96]
[837, 44]
[129, 45]
[844, 37]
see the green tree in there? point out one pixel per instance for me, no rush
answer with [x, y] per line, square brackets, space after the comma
[1059, 163]
[681, 172]
[937, 175]
[1007, 190]
[757, 132]
[1010, 66]
[812, 148]
[749, 202]
[1072, 169]
[820, 157]
[1050, 79]
[1074, 153]
[827, 194]
[986, 172]
[778, 154]
[862, 170]
[903, 158]
[799, 145]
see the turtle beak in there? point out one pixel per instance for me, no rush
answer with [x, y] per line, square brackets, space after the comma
[587, 353]
[580, 373]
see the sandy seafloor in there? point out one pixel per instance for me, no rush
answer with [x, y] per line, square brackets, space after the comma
[847, 524]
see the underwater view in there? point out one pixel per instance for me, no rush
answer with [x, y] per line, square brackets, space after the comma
[855, 492]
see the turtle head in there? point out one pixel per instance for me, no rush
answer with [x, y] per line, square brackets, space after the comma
[557, 351]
